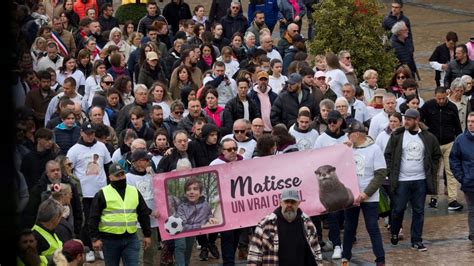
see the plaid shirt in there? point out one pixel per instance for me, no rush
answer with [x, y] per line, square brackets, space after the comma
[263, 249]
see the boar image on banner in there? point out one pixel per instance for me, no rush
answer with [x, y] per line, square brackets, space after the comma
[333, 194]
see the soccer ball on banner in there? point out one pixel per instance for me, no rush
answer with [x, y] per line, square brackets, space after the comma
[174, 225]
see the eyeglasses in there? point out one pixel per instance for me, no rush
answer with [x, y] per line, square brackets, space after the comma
[332, 121]
[235, 7]
[341, 106]
[295, 30]
[236, 131]
[109, 82]
[401, 77]
[348, 57]
[231, 149]
[178, 112]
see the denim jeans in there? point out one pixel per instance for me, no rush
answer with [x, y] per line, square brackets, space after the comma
[126, 249]
[334, 222]
[415, 192]
[229, 243]
[371, 215]
[183, 249]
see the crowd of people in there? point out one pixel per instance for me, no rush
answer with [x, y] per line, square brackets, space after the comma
[102, 107]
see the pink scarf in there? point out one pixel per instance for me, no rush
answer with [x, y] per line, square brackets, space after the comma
[207, 59]
[295, 5]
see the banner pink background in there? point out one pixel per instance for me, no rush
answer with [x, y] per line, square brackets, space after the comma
[248, 210]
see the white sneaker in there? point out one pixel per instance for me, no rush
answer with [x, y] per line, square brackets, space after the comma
[90, 257]
[337, 254]
[101, 254]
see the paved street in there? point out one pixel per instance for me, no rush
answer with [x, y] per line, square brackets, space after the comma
[445, 234]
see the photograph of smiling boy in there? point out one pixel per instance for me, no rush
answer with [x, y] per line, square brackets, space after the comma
[199, 200]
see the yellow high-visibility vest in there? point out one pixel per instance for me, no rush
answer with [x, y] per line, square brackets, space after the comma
[52, 239]
[120, 215]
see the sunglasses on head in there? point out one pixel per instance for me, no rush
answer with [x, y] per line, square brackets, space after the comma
[332, 121]
[231, 149]
[239, 131]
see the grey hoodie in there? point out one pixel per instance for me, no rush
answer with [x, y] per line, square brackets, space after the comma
[194, 215]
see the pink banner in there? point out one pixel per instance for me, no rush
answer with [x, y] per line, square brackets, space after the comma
[240, 194]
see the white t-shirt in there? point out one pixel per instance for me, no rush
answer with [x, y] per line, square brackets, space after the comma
[88, 164]
[325, 140]
[336, 79]
[246, 148]
[378, 124]
[360, 109]
[225, 92]
[413, 155]
[145, 187]
[382, 140]
[304, 141]
[367, 161]
[216, 162]
[166, 109]
[277, 84]
[246, 109]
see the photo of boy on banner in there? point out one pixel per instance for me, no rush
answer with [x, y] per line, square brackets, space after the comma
[193, 203]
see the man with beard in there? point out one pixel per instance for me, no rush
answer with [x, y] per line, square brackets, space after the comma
[257, 25]
[412, 155]
[292, 235]
[27, 250]
[462, 65]
[38, 100]
[264, 97]
[156, 118]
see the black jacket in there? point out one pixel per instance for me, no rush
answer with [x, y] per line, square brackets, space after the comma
[234, 109]
[286, 106]
[441, 55]
[34, 164]
[457, 70]
[123, 117]
[99, 204]
[254, 96]
[219, 9]
[66, 137]
[174, 12]
[442, 121]
[202, 152]
[108, 23]
[168, 163]
[232, 25]
[393, 158]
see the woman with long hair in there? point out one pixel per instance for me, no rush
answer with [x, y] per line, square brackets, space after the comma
[182, 80]
[335, 77]
[401, 74]
[212, 109]
[98, 71]
[68, 8]
[207, 58]
[135, 40]
[69, 69]
[84, 62]
[199, 17]
[124, 85]
[115, 38]
[128, 29]
[158, 95]
[68, 24]
[236, 43]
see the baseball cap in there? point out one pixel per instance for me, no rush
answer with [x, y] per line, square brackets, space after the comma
[356, 126]
[412, 113]
[73, 248]
[140, 154]
[380, 92]
[290, 195]
[87, 127]
[151, 56]
[294, 78]
[262, 74]
[116, 169]
[334, 114]
[319, 74]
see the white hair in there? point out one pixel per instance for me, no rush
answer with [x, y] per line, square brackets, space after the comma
[140, 87]
[466, 78]
[458, 83]
[183, 164]
[342, 99]
[397, 27]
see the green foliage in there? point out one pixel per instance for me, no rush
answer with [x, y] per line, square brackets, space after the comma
[354, 25]
[132, 12]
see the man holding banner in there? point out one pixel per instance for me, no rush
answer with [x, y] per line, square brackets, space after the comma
[293, 236]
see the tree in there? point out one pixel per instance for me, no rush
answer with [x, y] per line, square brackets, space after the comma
[354, 25]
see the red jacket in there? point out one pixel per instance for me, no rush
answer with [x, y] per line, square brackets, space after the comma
[81, 8]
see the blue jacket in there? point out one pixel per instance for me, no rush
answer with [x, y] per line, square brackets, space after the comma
[404, 52]
[268, 7]
[66, 137]
[461, 161]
